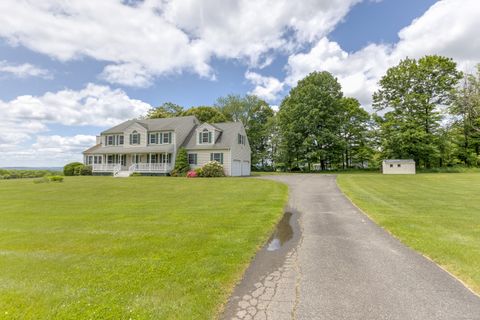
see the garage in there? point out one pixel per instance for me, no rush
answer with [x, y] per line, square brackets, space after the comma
[245, 168]
[236, 168]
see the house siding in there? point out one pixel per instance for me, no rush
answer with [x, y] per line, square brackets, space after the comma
[241, 152]
[203, 156]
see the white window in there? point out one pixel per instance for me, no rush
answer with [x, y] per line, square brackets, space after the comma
[120, 139]
[110, 140]
[153, 138]
[154, 158]
[165, 158]
[205, 137]
[192, 158]
[241, 139]
[216, 157]
[97, 159]
[135, 138]
[167, 137]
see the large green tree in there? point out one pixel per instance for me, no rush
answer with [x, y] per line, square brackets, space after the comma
[309, 122]
[206, 114]
[410, 96]
[466, 112]
[256, 115]
[166, 110]
[354, 128]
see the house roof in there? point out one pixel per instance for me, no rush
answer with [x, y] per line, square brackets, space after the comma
[156, 124]
[225, 140]
[121, 150]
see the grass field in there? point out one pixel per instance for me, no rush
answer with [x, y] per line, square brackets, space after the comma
[436, 214]
[136, 248]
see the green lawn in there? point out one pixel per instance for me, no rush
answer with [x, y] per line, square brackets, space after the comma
[136, 248]
[436, 214]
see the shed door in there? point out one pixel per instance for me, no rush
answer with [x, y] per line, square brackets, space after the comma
[245, 168]
[236, 168]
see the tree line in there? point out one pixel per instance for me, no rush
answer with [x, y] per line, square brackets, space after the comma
[424, 109]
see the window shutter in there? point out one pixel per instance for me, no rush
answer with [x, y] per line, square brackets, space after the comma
[106, 140]
[169, 137]
[209, 137]
[200, 138]
[130, 138]
[211, 156]
[221, 158]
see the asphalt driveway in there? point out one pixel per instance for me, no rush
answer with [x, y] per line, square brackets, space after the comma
[344, 266]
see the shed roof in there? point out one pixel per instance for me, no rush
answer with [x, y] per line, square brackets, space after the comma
[399, 161]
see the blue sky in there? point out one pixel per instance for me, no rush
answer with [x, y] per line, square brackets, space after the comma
[68, 71]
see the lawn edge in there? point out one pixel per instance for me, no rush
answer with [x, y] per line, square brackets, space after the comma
[467, 286]
[239, 277]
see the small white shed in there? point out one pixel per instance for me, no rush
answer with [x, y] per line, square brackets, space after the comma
[398, 166]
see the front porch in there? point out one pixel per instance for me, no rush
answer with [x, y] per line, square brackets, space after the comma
[113, 164]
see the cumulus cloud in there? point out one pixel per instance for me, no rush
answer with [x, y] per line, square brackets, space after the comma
[24, 70]
[267, 88]
[27, 118]
[359, 72]
[156, 37]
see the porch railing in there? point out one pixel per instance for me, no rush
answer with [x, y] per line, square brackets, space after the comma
[110, 167]
[150, 167]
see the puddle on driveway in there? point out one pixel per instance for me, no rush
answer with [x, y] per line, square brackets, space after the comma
[282, 234]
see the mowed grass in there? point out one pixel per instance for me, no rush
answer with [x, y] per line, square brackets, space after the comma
[436, 214]
[136, 248]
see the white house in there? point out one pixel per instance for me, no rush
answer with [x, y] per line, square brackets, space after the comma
[150, 146]
[398, 166]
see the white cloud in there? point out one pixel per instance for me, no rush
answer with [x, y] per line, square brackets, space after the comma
[24, 70]
[47, 151]
[26, 117]
[449, 27]
[157, 37]
[266, 88]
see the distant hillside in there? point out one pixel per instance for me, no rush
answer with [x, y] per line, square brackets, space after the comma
[33, 168]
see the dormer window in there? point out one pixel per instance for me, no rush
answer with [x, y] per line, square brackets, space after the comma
[205, 137]
[135, 138]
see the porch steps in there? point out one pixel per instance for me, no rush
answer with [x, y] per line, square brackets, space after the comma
[122, 174]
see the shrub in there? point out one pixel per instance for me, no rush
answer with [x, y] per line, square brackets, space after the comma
[181, 164]
[212, 169]
[41, 180]
[192, 174]
[56, 178]
[136, 174]
[199, 172]
[72, 169]
[86, 170]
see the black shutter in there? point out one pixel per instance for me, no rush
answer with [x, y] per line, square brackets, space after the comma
[209, 137]
[221, 158]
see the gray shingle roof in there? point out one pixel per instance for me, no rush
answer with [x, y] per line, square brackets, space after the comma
[156, 124]
[226, 139]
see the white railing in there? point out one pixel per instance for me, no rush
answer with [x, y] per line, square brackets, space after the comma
[110, 167]
[150, 167]
[117, 169]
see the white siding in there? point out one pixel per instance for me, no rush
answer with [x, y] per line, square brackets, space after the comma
[143, 136]
[398, 167]
[241, 152]
[203, 156]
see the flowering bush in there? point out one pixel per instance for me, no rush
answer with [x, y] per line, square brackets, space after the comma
[192, 174]
[212, 169]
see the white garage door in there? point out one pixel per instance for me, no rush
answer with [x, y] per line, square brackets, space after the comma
[236, 168]
[245, 168]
